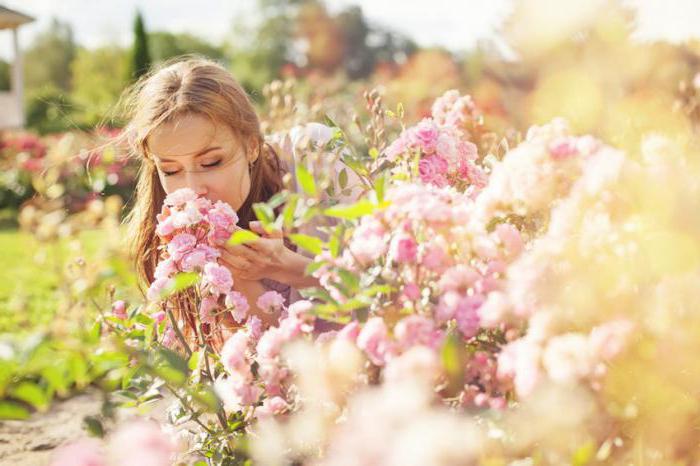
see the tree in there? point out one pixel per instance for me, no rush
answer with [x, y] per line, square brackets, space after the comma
[259, 50]
[164, 45]
[324, 44]
[360, 58]
[140, 55]
[98, 80]
[47, 61]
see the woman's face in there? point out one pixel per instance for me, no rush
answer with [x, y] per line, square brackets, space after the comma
[193, 152]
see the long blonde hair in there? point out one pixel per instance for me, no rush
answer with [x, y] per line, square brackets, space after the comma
[188, 85]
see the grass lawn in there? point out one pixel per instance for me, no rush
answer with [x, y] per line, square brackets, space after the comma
[30, 276]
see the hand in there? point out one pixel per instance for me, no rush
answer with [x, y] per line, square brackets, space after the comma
[267, 257]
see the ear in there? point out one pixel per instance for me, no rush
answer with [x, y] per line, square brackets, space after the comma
[253, 148]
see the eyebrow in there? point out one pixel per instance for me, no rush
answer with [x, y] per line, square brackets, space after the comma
[205, 151]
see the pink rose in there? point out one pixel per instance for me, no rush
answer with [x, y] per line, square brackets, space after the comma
[467, 316]
[83, 452]
[270, 302]
[425, 135]
[165, 269]
[417, 330]
[411, 291]
[272, 406]
[270, 343]
[180, 244]
[510, 237]
[141, 443]
[119, 309]
[349, 332]
[405, 249]
[458, 278]
[193, 260]
[233, 353]
[433, 170]
[563, 148]
[158, 287]
[206, 308]
[236, 393]
[374, 341]
[238, 305]
[434, 258]
[218, 278]
[180, 197]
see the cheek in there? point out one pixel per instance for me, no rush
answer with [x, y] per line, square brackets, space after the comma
[231, 187]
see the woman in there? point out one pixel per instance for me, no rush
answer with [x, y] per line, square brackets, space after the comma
[192, 125]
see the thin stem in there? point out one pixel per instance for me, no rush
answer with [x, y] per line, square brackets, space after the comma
[177, 331]
[189, 408]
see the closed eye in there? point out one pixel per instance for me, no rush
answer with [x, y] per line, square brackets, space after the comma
[212, 164]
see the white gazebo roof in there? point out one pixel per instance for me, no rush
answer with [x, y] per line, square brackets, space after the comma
[10, 19]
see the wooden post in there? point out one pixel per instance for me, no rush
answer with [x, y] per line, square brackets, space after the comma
[17, 77]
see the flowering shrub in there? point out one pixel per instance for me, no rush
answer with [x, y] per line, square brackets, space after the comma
[74, 167]
[444, 155]
[190, 229]
[471, 309]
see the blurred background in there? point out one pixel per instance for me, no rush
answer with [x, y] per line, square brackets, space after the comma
[616, 69]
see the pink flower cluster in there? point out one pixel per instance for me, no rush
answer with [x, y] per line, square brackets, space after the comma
[565, 358]
[268, 388]
[446, 157]
[442, 265]
[453, 109]
[137, 443]
[190, 229]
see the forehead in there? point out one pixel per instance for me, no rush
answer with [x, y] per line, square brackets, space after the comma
[188, 135]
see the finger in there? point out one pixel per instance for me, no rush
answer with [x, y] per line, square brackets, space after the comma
[236, 261]
[237, 267]
[258, 228]
[241, 250]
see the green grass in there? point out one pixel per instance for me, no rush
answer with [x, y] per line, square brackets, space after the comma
[30, 275]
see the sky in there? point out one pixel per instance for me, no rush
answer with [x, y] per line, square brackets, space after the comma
[455, 24]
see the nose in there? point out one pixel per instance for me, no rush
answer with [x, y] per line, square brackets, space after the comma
[196, 183]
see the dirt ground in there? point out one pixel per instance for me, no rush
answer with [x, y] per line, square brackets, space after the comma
[31, 442]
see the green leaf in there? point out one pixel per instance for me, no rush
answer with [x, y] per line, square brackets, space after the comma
[310, 243]
[379, 187]
[94, 426]
[349, 279]
[351, 211]
[173, 359]
[32, 394]
[373, 153]
[306, 180]
[194, 360]
[343, 178]
[334, 245]
[399, 110]
[328, 121]
[10, 410]
[207, 398]
[181, 281]
[583, 455]
[289, 210]
[264, 213]
[451, 357]
[278, 199]
[242, 237]
[312, 267]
